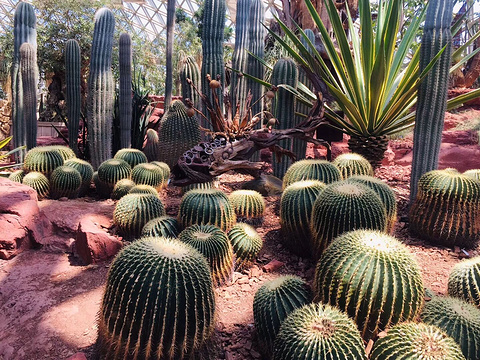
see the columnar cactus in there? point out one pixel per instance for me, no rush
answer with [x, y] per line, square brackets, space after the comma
[29, 75]
[73, 94]
[246, 245]
[344, 206]
[17, 176]
[296, 207]
[458, 319]
[149, 174]
[353, 164]
[311, 169]
[42, 159]
[125, 89]
[364, 262]
[416, 341]
[122, 188]
[65, 151]
[212, 243]
[65, 181]
[446, 210]
[109, 172]
[158, 302]
[247, 203]
[272, 304]
[163, 226]
[207, 206]
[151, 146]
[143, 189]
[85, 170]
[132, 156]
[190, 70]
[464, 281]
[318, 332]
[38, 182]
[177, 133]
[133, 211]
[101, 89]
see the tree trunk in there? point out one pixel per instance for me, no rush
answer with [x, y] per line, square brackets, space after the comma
[169, 51]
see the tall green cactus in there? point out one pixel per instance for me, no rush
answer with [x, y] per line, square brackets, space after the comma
[29, 71]
[190, 70]
[432, 93]
[25, 23]
[125, 90]
[101, 89]
[285, 71]
[73, 91]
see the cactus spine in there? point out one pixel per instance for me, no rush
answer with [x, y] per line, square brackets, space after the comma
[432, 93]
[163, 226]
[28, 67]
[190, 70]
[101, 89]
[311, 169]
[73, 91]
[125, 90]
[464, 281]
[38, 182]
[65, 181]
[246, 243]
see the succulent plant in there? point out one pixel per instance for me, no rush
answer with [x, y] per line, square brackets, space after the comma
[65, 181]
[65, 151]
[73, 91]
[208, 206]
[163, 226]
[85, 170]
[272, 304]
[109, 172]
[133, 211]
[416, 341]
[38, 182]
[318, 332]
[372, 277]
[149, 174]
[351, 164]
[190, 70]
[312, 169]
[296, 207]
[199, 186]
[121, 188]
[17, 176]
[247, 203]
[246, 244]
[42, 159]
[458, 319]
[132, 156]
[464, 281]
[158, 302]
[151, 149]
[385, 193]
[474, 173]
[344, 206]
[164, 167]
[143, 189]
[446, 210]
[125, 89]
[29, 76]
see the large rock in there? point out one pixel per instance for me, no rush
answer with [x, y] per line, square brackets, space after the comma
[461, 158]
[463, 137]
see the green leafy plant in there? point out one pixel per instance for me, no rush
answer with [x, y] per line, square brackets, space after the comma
[5, 156]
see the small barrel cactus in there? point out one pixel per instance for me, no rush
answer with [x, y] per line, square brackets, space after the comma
[416, 341]
[132, 156]
[121, 188]
[133, 211]
[199, 186]
[38, 182]
[473, 173]
[207, 206]
[143, 189]
[318, 332]
[109, 172]
[312, 169]
[149, 174]
[151, 149]
[353, 164]
[247, 203]
[296, 207]
[372, 277]
[464, 281]
[385, 193]
[272, 304]
[344, 206]
[458, 319]
[163, 226]
[65, 181]
[158, 302]
[65, 151]
[246, 244]
[212, 243]
[164, 167]
[42, 159]
[446, 210]
[17, 176]
[85, 170]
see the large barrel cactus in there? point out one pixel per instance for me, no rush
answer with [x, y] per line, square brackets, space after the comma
[212, 243]
[353, 164]
[158, 303]
[109, 173]
[458, 319]
[149, 174]
[344, 206]
[122, 188]
[464, 281]
[42, 159]
[247, 204]
[73, 93]
[132, 156]
[65, 181]
[125, 89]
[85, 170]
[163, 226]
[318, 332]
[246, 243]
[446, 210]
[29, 75]
[416, 341]
[272, 304]
[373, 278]
[311, 169]
[38, 182]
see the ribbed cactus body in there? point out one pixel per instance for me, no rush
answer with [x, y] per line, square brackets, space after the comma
[163, 226]
[29, 74]
[272, 304]
[464, 281]
[246, 243]
[458, 319]
[85, 170]
[296, 207]
[132, 156]
[38, 182]
[473, 173]
[177, 133]
[199, 186]
[351, 164]
[149, 174]
[109, 172]
[143, 189]
[247, 203]
[372, 277]
[446, 210]
[65, 151]
[42, 159]
[432, 93]
[211, 242]
[207, 206]
[125, 89]
[65, 181]
[17, 176]
[122, 188]
[284, 71]
[101, 89]
[158, 302]
[190, 70]
[311, 169]
[318, 332]
[151, 149]
[133, 211]
[73, 93]
[344, 206]
[416, 341]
